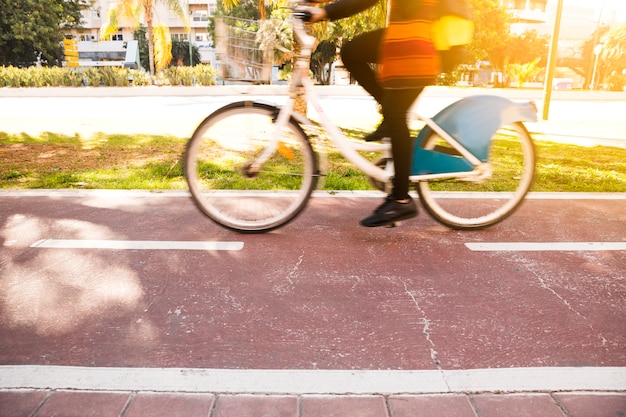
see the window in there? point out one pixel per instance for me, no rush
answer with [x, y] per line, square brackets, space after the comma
[115, 37]
[200, 16]
[539, 5]
[516, 4]
[179, 36]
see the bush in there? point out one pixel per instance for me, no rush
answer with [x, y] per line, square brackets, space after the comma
[205, 74]
[114, 76]
[140, 78]
[93, 78]
[448, 78]
[49, 77]
[616, 81]
[9, 77]
[173, 75]
[107, 76]
[199, 75]
[72, 78]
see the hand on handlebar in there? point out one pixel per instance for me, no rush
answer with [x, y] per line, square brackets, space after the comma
[314, 14]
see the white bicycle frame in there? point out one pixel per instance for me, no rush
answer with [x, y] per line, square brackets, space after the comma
[350, 148]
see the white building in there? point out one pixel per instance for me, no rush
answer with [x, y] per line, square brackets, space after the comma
[199, 12]
[579, 19]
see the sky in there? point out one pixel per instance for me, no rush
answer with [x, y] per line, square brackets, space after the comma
[616, 5]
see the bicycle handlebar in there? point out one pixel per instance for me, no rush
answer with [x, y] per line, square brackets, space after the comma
[298, 17]
[303, 15]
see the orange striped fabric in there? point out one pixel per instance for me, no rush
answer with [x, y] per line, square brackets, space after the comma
[407, 56]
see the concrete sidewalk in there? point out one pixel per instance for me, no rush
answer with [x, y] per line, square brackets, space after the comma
[586, 118]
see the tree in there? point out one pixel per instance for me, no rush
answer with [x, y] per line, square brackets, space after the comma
[275, 34]
[180, 53]
[140, 36]
[159, 39]
[588, 54]
[523, 72]
[322, 59]
[32, 29]
[527, 47]
[491, 33]
[613, 58]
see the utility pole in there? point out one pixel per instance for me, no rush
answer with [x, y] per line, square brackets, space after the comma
[596, 39]
[554, 46]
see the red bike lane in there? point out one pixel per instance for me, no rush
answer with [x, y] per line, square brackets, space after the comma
[321, 293]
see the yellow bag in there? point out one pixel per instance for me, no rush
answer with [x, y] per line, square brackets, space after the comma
[452, 31]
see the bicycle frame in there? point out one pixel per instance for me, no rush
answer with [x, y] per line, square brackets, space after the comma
[467, 126]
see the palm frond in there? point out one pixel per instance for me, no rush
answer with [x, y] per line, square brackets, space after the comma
[110, 26]
[162, 46]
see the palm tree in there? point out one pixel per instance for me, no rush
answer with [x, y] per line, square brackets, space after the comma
[159, 39]
[613, 56]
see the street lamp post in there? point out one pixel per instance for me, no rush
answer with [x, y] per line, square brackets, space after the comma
[595, 42]
[597, 51]
[547, 88]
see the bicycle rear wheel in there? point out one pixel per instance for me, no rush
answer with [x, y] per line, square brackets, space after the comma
[466, 204]
[217, 162]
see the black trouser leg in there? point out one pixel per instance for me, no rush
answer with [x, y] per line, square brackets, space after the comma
[358, 55]
[396, 104]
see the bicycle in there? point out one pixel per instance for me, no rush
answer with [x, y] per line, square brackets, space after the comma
[251, 166]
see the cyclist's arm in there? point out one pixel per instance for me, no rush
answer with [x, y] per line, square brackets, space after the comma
[346, 8]
[340, 9]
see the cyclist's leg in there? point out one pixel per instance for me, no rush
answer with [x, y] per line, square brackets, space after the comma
[357, 55]
[399, 206]
[396, 104]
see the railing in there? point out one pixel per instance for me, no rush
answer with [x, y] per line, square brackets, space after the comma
[239, 52]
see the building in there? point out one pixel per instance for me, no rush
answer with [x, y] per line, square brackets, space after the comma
[199, 11]
[526, 12]
[579, 20]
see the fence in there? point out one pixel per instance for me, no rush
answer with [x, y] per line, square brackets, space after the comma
[239, 53]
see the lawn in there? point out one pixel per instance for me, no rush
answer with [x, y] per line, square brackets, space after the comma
[154, 163]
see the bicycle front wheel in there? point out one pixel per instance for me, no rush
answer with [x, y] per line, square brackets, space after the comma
[479, 203]
[217, 168]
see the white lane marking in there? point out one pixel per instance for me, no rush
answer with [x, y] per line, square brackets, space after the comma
[135, 244]
[294, 381]
[545, 246]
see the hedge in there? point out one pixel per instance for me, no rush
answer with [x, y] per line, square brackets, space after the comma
[102, 76]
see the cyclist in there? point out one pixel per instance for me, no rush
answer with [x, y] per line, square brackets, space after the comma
[407, 62]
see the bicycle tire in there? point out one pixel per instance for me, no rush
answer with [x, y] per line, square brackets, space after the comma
[221, 149]
[465, 205]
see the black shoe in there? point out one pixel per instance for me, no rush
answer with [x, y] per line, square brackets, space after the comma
[390, 212]
[380, 133]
